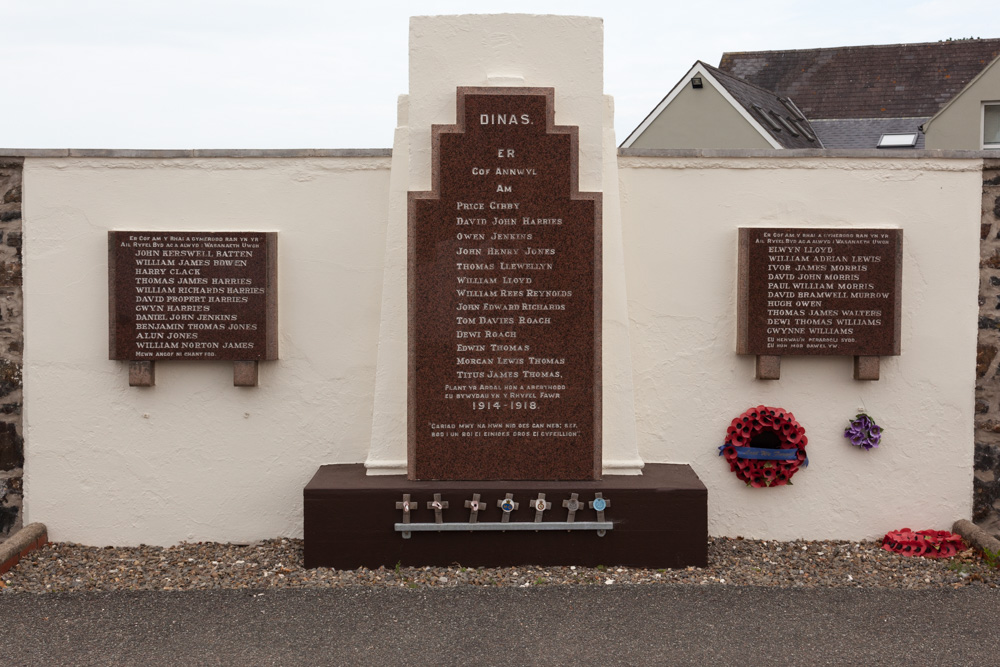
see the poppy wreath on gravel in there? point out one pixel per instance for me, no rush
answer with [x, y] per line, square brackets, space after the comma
[765, 446]
[926, 543]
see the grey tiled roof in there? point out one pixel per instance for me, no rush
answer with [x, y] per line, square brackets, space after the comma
[865, 132]
[778, 120]
[878, 81]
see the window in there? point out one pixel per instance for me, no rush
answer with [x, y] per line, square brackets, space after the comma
[898, 140]
[991, 125]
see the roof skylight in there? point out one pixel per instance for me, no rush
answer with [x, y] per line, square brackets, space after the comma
[898, 140]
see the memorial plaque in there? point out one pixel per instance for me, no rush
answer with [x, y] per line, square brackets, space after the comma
[193, 295]
[504, 298]
[819, 291]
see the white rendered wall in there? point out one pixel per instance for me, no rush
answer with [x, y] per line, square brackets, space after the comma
[680, 218]
[195, 458]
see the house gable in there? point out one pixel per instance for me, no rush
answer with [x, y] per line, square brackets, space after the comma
[959, 124]
[706, 117]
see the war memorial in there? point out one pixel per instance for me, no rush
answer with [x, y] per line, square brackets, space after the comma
[502, 341]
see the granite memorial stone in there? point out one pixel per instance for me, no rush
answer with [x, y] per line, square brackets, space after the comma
[809, 291]
[193, 295]
[504, 298]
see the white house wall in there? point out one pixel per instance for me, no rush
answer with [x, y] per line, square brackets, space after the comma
[959, 126]
[700, 118]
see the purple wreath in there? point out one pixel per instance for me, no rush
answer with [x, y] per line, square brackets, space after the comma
[863, 432]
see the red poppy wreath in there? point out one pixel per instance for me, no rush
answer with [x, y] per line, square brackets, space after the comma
[765, 446]
[926, 543]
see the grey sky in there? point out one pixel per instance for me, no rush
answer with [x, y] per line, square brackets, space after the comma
[311, 74]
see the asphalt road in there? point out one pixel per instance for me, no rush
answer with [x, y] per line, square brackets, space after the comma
[597, 625]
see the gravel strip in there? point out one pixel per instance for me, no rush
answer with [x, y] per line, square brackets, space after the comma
[277, 563]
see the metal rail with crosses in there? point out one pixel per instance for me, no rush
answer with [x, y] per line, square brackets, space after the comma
[508, 506]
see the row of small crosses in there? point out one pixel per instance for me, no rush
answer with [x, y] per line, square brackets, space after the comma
[507, 504]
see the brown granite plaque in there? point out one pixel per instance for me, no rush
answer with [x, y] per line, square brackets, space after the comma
[504, 298]
[819, 291]
[193, 295]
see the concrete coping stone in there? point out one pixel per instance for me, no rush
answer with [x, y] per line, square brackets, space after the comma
[195, 153]
[387, 152]
[21, 543]
[885, 154]
[976, 536]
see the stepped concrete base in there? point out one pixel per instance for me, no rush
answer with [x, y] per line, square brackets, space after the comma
[659, 519]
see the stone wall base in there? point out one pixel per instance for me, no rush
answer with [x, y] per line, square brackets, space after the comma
[986, 489]
[11, 348]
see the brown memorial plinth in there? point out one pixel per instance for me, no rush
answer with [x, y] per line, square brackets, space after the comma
[193, 296]
[813, 291]
[504, 298]
[659, 519]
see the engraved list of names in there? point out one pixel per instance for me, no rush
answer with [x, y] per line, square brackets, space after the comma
[504, 304]
[193, 295]
[819, 291]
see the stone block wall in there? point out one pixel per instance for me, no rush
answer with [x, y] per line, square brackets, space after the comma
[11, 347]
[986, 499]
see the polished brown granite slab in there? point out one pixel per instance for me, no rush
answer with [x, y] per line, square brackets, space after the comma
[192, 295]
[659, 518]
[504, 298]
[811, 291]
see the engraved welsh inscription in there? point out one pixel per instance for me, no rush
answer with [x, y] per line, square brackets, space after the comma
[193, 295]
[504, 298]
[819, 291]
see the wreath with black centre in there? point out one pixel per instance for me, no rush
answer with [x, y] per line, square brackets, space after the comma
[765, 446]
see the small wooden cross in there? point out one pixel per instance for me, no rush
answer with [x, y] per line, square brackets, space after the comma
[540, 505]
[407, 506]
[437, 505]
[474, 505]
[508, 505]
[573, 504]
[599, 503]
